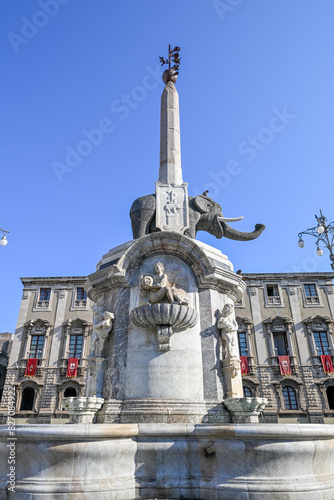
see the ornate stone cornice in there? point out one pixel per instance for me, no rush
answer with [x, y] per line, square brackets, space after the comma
[29, 325]
[310, 320]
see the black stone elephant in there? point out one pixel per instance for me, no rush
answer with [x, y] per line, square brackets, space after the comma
[204, 215]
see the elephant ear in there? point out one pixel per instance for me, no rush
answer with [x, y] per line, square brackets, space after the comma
[203, 204]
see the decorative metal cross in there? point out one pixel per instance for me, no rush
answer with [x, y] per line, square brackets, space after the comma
[173, 57]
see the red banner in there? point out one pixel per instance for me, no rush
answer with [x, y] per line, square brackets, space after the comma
[327, 363]
[244, 365]
[72, 367]
[31, 367]
[284, 364]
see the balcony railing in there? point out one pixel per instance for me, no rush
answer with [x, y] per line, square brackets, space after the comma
[43, 303]
[80, 303]
[312, 300]
[274, 362]
[274, 300]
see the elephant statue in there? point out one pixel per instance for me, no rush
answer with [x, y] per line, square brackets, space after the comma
[204, 215]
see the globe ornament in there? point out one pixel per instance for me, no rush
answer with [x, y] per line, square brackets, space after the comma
[169, 75]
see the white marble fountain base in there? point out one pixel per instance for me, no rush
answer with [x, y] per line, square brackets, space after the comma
[173, 461]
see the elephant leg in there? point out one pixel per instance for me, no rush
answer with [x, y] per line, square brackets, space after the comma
[140, 222]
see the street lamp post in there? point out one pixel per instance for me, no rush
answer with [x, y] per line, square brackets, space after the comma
[324, 233]
[3, 241]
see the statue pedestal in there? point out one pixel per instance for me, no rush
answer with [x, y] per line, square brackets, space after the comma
[232, 377]
[82, 410]
[245, 410]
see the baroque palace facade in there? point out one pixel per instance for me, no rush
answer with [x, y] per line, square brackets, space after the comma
[285, 334]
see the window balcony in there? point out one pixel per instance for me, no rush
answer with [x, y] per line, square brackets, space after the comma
[80, 373]
[80, 303]
[274, 300]
[312, 300]
[43, 303]
[274, 363]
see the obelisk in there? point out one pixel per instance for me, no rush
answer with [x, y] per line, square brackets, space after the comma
[172, 212]
[170, 171]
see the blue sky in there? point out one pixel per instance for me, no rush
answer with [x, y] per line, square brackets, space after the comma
[256, 89]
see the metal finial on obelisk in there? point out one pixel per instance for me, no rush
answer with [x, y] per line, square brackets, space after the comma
[170, 74]
[172, 212]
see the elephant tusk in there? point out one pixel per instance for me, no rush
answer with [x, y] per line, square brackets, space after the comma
[226, 219]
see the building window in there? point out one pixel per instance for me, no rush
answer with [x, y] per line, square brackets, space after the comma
[243, 351]
[81, 294]
[27, 401]
[281, 344]
[273, 296]
[75, 348]
[44, 297]
[311, 294]
[290, 399]
[80, 298]
[247, 392]
[70, 392]
[36, 346]
[330, 396]
[321, 343]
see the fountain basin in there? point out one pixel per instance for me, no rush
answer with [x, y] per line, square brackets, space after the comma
[164, 317]
[204, 461]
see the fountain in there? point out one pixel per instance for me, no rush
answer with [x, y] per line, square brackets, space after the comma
[164, 414]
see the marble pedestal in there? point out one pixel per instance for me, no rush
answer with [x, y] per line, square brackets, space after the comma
[163, 360]
[82, 410]
[245, 410]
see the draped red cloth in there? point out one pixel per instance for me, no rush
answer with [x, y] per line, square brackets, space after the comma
[327, 363]
[31, 367]
[244, 365]
[284, 364]
[72, 367]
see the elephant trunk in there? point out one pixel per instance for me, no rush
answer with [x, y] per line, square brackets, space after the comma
[233, 234]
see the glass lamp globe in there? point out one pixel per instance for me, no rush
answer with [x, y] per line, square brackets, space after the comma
[3, 241]
[320, 229]
[301, 243]
[319, 251]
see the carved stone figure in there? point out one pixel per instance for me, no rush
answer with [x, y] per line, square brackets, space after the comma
[103, 322]
[159, 287]
[204, 215]
[228, 331]
[162, 306]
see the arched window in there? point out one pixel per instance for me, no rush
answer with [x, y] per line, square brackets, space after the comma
[70, 392]
[247, 393]
[290, 399]
[330, 396]
[27, 401]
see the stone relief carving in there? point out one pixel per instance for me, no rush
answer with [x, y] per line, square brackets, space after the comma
[159, 287]
[163, 306]
[171, 209]
[103, 323]
[172, 212]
